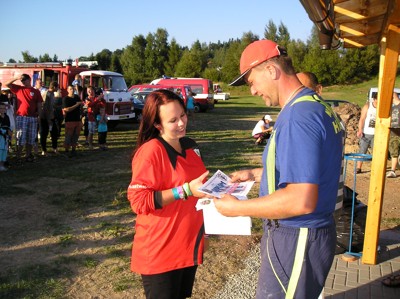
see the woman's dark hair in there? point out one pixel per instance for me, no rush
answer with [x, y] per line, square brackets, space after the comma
[151, 114]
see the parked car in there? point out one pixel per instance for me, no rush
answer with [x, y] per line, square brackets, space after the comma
[139, 99]
[185, 89]
[219, 94]
[203, 88]
[373, 91]
[336, 103]
[147, 87]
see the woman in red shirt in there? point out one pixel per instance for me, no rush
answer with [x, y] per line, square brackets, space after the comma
[167, 170]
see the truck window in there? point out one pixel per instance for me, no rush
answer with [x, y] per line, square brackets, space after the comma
[86, 82]
[49, 76]
[114, 83]
[97, 82]
[196, 88]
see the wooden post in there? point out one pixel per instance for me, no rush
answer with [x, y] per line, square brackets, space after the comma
[387, 75]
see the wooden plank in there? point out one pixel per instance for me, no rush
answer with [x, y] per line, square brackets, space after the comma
[387, 74]
[363, 40]
[361, 28]
[359, 10]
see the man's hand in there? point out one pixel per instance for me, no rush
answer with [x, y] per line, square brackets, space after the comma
[246, 175]
[227, 205]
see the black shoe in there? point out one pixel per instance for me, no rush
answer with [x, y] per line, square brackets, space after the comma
[358, 170]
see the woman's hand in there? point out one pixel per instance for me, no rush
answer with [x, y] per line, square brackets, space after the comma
[196, 184]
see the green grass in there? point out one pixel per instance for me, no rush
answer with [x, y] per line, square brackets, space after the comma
[356, 93]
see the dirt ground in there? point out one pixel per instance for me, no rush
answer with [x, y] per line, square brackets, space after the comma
[94, 263]
[25, 241]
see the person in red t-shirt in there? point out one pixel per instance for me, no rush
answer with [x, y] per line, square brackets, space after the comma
[167, 170]
[28, 104]
[93, 104]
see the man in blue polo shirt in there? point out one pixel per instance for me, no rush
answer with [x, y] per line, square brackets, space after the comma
[299, 180]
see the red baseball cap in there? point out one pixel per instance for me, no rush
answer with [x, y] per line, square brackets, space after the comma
[255, 54]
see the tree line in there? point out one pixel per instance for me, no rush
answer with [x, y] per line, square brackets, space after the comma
[152, 56]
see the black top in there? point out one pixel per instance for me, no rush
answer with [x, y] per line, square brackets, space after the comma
[73, 115]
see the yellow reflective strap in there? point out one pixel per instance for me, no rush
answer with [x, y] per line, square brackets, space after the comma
[271, 188]
[271, 163]
[298, 262]
[328, 108]
[272, 266]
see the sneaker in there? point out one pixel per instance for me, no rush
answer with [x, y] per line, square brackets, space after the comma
[2, 168]
[391, 174]
[44, 153]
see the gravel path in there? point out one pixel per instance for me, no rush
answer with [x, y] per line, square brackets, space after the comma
[244, 283]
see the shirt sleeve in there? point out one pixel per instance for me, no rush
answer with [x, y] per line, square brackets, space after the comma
[299, 153]
[145, 181]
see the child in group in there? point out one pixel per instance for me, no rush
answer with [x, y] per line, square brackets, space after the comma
[77, 81]
[102, 128]
[190, 104]
[262, 130]
[5, 135]
[93, 102]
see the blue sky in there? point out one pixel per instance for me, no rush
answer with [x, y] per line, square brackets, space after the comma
[75, 28]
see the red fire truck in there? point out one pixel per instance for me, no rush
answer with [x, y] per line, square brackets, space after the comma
[119, 102]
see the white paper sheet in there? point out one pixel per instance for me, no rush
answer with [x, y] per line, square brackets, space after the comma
[217, 224]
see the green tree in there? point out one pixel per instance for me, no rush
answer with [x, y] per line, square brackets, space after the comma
[103, 59]
[230, 68]
[174, 55]
[283, 36]
[359, 64]
[161, 49]
[45, 58]
[248, 38]
[27, 57]
[297, 50]
[132, 61]
[151, 61]
[215, 66]
[116, 61]
[271, 31]
[189, 65]
[212, 74]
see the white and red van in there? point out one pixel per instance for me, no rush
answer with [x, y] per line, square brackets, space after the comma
[203, 88]
[119, 104]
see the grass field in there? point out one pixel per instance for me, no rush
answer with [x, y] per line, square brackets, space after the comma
[63, 220]
[356, 93]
